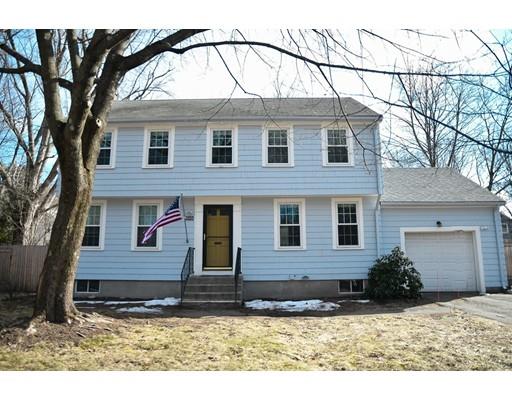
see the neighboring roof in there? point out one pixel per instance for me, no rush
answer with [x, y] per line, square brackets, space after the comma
[505, 217]
[432, 186]
[240, 109]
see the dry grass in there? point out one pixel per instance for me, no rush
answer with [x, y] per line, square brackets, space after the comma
[449, 341]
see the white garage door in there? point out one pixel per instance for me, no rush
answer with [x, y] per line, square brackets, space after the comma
[446, 260]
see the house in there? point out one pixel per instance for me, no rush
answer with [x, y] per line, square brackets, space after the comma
[506, 227]
[289, 192]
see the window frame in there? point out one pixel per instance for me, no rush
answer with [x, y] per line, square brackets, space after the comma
[170, 146]
[113, 150]
[325, 147]
[302, 223]
[135, 223]
[234, 145]
[364, 281]
[103, 224]
[88, 286]
[264, 146]
[504, 228]
[360, 222]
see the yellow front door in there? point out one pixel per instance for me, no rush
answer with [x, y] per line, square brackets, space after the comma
[217, 237]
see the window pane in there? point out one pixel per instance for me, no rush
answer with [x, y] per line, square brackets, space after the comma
[344, 285]
[289, 236]
[289, 214]
[140, 235]
[81, 285]
[107, 140]
[337, 154]
[347, 214]
[278, 155]
[91, 236]
[104, 157]
[147, 215]
[277, 137]
[93, 218]
[336, 137]
[222, 138]
[221, 155]
[158, 156]
[94, 286]
[357, 285]
[159, 139]
[348, 235]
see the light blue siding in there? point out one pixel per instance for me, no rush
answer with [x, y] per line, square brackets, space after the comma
[395, 218]
[190, 176]
[118, 261]
[319, 260]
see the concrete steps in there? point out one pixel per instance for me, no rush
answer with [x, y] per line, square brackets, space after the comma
[212, 289]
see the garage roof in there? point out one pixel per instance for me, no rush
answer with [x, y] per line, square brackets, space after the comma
[230, 109]
[432, 186]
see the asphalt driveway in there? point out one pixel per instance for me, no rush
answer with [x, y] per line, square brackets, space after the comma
[493, 306]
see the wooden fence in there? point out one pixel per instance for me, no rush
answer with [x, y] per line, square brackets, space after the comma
[20, 267]
[508, 258]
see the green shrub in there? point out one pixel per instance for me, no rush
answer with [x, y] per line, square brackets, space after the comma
[393, 276]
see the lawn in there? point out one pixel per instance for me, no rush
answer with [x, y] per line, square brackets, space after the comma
[231, 340]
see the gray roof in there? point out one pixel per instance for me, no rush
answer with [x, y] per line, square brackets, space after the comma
[432, 185]
[230, 109]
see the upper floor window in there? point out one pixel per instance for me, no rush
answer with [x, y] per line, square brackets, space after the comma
[222, 148]
[289, 224]
[106, 154]
[94, 235]
[145, 214]
[277, 147]
[158, 148]
[347, 223]
[336, 147]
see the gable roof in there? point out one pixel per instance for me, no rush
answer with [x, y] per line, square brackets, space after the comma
[312, 108]
[432, 186]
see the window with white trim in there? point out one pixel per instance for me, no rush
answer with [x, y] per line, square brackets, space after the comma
[290, 224]
[105, 154]
[87, 286]
[504, 227]
[221, 147]
[336, 147]
[351, 285]
[94, 227]
[146, 215]
[158, 148]
[347, 223]
[277, 147]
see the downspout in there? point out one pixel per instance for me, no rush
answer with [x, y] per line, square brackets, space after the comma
[501, 248]
[380, 188]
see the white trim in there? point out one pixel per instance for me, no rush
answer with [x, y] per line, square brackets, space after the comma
[302, 222]
[264, 147]
[504, 228]
[113, 150]
[234, 145]
[199, 202]
[476, 242]
[147, 134]
[103, 224]
[350, 145]
[135, 218]
[358, 201]
[88, 286]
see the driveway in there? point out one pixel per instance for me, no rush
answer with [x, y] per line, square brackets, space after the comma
[493, 306]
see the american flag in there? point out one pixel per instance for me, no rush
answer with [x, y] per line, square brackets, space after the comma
[172, 214]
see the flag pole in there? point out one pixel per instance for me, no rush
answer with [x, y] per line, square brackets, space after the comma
[182, 205]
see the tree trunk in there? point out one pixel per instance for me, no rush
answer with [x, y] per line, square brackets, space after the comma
[54, 299]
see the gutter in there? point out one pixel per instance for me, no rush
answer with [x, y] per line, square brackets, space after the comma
[416, 204]
[380, 188]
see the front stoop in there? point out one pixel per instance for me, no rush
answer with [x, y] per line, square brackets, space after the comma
[212, 290]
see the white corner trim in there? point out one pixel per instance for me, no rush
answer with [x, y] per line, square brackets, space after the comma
[302, 222]
[234, 144]
[358, 201]
[477, 242]
[103, 225]
[147, 134]
[264, 147]
[113, 150]
[135, 216]
[350, 145]
[199, 203]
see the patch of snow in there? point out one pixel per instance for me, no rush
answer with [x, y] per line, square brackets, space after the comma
[168, 301]
[142, 310]
[292, 306]
[363, 301]
[88, 301]
[115, 303]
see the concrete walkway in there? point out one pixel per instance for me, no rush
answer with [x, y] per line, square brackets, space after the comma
[493, 306]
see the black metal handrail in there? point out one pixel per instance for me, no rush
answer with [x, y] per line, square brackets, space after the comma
[238, 269]
[186, 271]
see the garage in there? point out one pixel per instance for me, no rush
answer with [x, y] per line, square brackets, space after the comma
[447, 260]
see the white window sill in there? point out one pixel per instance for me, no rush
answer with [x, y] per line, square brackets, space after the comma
[146, 249]
[100, 248]
[278, 165]
[340, 165]
[221, 166]
[105, 167]
[290, 248]
[158, 166]
[348, 248]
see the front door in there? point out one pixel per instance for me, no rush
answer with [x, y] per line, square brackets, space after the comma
[218, 238]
